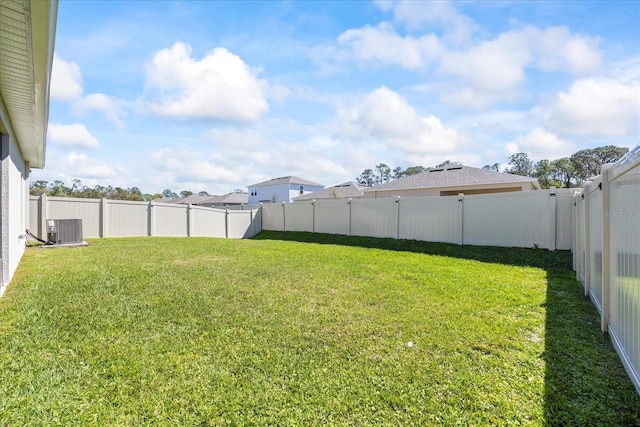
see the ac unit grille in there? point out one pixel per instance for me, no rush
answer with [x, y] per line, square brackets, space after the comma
[61, 231]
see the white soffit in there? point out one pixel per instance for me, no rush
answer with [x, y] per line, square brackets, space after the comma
[27, 34]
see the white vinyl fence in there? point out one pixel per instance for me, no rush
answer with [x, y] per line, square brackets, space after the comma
[519, 219]
[119, 218]
[607, 254]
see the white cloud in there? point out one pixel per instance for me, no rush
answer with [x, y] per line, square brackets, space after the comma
[599, 107]
[66, 80]
[219, 86]
[385, 115]
[66, 85]
[540, 144]
[109, 105]
[495, 70]
[383, 44]
[458, 28]
[71, 135]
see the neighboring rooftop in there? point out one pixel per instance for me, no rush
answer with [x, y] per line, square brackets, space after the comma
[452, 176]
[344, 191]
[234, 198]
[286, 180]
[193, 199]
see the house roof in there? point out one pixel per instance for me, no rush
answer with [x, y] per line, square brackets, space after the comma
[286, 180]
[27, 37]
[231, 198]
[193, 199]
[344, 190]
[452, 176]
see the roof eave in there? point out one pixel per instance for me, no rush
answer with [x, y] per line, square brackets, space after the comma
[42, 29]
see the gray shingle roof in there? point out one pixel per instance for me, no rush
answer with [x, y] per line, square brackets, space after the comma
[286, 180]
[231, 198]
[344, 190]
[452, 177]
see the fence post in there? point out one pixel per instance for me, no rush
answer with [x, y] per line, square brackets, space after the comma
[609, 263]
[103, 218]
[461, 218]
[587, 240]
[284, 219]
[226, 223]
[261, 216]
[189, 220]
[350, 206]
[313, 219]
[397, 217]
[150, 219]
[552, 218]
[42, 216]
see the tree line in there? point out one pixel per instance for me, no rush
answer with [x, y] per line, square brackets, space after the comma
[77, 189]
[566, 172]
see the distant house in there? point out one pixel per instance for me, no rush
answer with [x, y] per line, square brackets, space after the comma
[452, 180]
[281, 189]
[27, 38]
[193, 199]
[346, 190]
[231, 199]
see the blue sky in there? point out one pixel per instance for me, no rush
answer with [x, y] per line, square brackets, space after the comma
[214, 96]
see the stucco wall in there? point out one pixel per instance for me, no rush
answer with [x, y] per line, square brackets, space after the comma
[426, 192]
[13, 206]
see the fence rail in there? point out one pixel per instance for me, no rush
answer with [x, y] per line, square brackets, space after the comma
[120, 218]
[607, 254]
[523, 219]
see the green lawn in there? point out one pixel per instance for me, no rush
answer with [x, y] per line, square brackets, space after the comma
[301, 329]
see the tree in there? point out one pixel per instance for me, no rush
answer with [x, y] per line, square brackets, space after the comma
[494, 167]
[587, 163]
[412, 170]
[335, 194]
[397, 172]
[168, 194]
[384, 172]
[563, 173]
[186, 193]
[366, 178]
[203, 193]
[543, 171]
[520, 165]
[448, 163]
[274, 198]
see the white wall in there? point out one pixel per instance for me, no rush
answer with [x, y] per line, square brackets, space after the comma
[14, 207]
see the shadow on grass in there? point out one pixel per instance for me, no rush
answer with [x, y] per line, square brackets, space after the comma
[585, 382]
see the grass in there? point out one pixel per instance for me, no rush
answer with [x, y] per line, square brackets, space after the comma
[303, 329]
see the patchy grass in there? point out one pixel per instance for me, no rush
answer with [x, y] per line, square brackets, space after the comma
[322, 330]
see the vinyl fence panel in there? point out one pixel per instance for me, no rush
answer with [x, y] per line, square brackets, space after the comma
[519, 219]
[299, 216]
[208, 222]
[126, 218]
[333, 216]
[272, 216]
[595, 242]
[374, 217]
[624, 217]
[564, 218]
[168, 219]
[433, 219]
[239, 224]
[88, 210]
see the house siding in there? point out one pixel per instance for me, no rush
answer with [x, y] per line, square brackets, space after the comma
[13, 207]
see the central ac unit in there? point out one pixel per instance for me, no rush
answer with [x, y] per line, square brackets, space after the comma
[62, 231]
